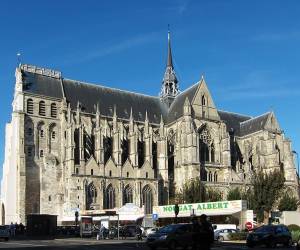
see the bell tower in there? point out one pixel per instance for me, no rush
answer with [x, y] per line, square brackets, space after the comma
[169, 88]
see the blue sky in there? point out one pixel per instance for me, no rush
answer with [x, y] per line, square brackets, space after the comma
[248, 51]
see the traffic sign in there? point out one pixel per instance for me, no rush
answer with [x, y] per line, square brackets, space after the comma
[154, 216]
[249, 225]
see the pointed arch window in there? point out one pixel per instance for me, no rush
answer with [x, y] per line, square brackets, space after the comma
[89, 145]
[76, 149]
[147, 199]
[204, 142]
[30, 106]
[141, 152]
[110, 197]
[53, 110]
[154, 155]
[125, 150]
[203, 174]
[107, 143]
[203, 100]
[91, 196]
[42, 108]
[127, 195]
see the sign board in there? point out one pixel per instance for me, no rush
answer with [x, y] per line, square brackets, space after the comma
[208, 208]
[86, 226]
[249, 225]
[154, 216]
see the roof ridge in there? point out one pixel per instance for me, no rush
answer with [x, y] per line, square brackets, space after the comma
[188, 88]
[256, 117]
[235, 113]
[106, 87]
[183, 92]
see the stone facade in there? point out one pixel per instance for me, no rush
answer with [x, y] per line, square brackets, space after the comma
[72, 145]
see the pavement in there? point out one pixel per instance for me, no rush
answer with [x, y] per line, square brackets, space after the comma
[93, 244]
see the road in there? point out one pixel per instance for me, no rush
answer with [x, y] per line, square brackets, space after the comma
[91, 244]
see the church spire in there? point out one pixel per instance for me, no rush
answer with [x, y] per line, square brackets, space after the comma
[170, 62]
[169, 85]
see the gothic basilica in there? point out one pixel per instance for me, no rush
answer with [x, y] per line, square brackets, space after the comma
[72, 145]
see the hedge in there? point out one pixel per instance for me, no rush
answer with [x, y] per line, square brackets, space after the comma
[295, 235]
[238, 236]
[293, 227]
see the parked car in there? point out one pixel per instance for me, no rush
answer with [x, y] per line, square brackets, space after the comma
[129, 230]
[150, 230]
[171, 236]
[4, 232]
[223, 234]
[270, 235]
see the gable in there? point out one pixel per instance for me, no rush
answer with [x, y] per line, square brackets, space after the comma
[272, 123]
[110, 166]
[92, 165]
[128, 168]
[203, 104]
[146, 168]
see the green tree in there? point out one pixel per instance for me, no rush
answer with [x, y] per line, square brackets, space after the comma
[288, 203]
[193, 191]
[213, 195]
[234, 194]
[266, 191]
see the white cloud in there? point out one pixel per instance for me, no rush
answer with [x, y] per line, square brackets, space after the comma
[114, 48]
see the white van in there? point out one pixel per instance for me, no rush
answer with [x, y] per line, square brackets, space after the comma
[223, 226]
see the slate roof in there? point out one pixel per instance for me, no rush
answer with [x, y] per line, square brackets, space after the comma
[233, 120]
[89, 95]
[42, 85]
[176, 108]
[253, 125]
[50, 83]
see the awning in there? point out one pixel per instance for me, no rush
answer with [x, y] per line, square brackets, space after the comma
[130, 212]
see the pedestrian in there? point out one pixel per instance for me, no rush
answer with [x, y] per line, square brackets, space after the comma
[12, 229]
[102, 232]
[124, 232]
[207, 232]
[195, 233]
[138, 232]
[17, 229]
[22, 227]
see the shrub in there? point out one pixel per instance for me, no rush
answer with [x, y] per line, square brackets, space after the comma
[293, 227]
[295, 235]
[238, 236]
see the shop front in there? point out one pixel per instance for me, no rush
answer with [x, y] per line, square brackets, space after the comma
[220, 212]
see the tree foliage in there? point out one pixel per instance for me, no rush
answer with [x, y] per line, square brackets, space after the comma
[266, 190]
[234, 194]
[194, 191]
[213, 195]
[288, 203]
